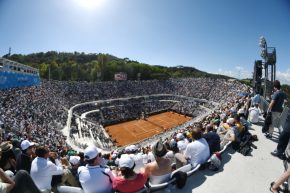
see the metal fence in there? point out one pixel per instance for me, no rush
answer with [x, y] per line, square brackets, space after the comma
[264, 106]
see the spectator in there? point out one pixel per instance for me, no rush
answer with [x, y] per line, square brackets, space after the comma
[93, 177]
[8, 161]
[56, 179]
[182, 142]
[256, 99]
[42, 169]
[132, 151]
[254, 114]
[212, 139]
[6, 183]
[276, 106]
[82, 159]
[197, 152]
[159, 170]
[24, 159]
[240, 127]
[275, 186]
[179, 158]
[16, 150]
[129, 181]
[283, 140]
[232, 133]
[70, 173]
[22, 182]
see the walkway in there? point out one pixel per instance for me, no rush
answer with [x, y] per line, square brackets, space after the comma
[239, 174]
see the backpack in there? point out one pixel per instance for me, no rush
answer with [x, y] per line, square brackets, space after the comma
[245, 150]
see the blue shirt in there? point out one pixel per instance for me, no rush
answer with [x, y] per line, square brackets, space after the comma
[279, 98]
[256, 99]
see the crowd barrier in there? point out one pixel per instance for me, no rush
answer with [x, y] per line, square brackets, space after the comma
[264, 104]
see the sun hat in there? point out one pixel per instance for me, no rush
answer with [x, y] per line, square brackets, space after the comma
[5, 146]
[159, 149]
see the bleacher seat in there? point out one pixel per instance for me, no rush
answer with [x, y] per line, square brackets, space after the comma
[187, 169]
[189, 173]
[69, 189]
[155, 187]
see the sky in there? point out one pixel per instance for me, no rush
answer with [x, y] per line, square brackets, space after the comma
[220, 37]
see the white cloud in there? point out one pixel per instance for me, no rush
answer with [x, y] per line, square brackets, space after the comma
[237, 72]
[284, 77]
[239, 68]
[240, 73]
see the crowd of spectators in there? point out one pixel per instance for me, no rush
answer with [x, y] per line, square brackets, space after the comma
[39, 113]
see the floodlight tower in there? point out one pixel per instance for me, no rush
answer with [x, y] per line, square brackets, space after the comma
[269, 64]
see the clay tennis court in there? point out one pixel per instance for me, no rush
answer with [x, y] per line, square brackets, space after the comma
[133, 131]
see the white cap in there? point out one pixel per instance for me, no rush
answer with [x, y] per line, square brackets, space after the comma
[130, 148]
[114, 156]
[241, 111]
[74, 160]
[133, 147]
[231, 121]
[26, 144]
[91, 152]
[126, 161]
[127, 149]
[179, 136]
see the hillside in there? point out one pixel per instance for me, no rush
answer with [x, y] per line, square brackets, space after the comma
[92, 67]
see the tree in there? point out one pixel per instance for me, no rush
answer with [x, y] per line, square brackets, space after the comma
[43, 70]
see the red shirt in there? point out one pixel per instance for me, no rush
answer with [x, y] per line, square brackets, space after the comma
[128, 186]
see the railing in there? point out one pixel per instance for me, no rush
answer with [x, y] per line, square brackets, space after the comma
[264, 107]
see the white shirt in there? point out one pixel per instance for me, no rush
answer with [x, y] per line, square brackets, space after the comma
[151, 156]
[3, 187]
[93, 180]
[197, 151]
[42, 171]
[138, 159]
[182, 144]
[254, 115]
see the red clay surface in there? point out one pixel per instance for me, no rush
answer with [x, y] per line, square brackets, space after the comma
[134, 131]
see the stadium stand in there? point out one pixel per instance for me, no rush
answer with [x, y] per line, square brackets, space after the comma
[39, 114]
